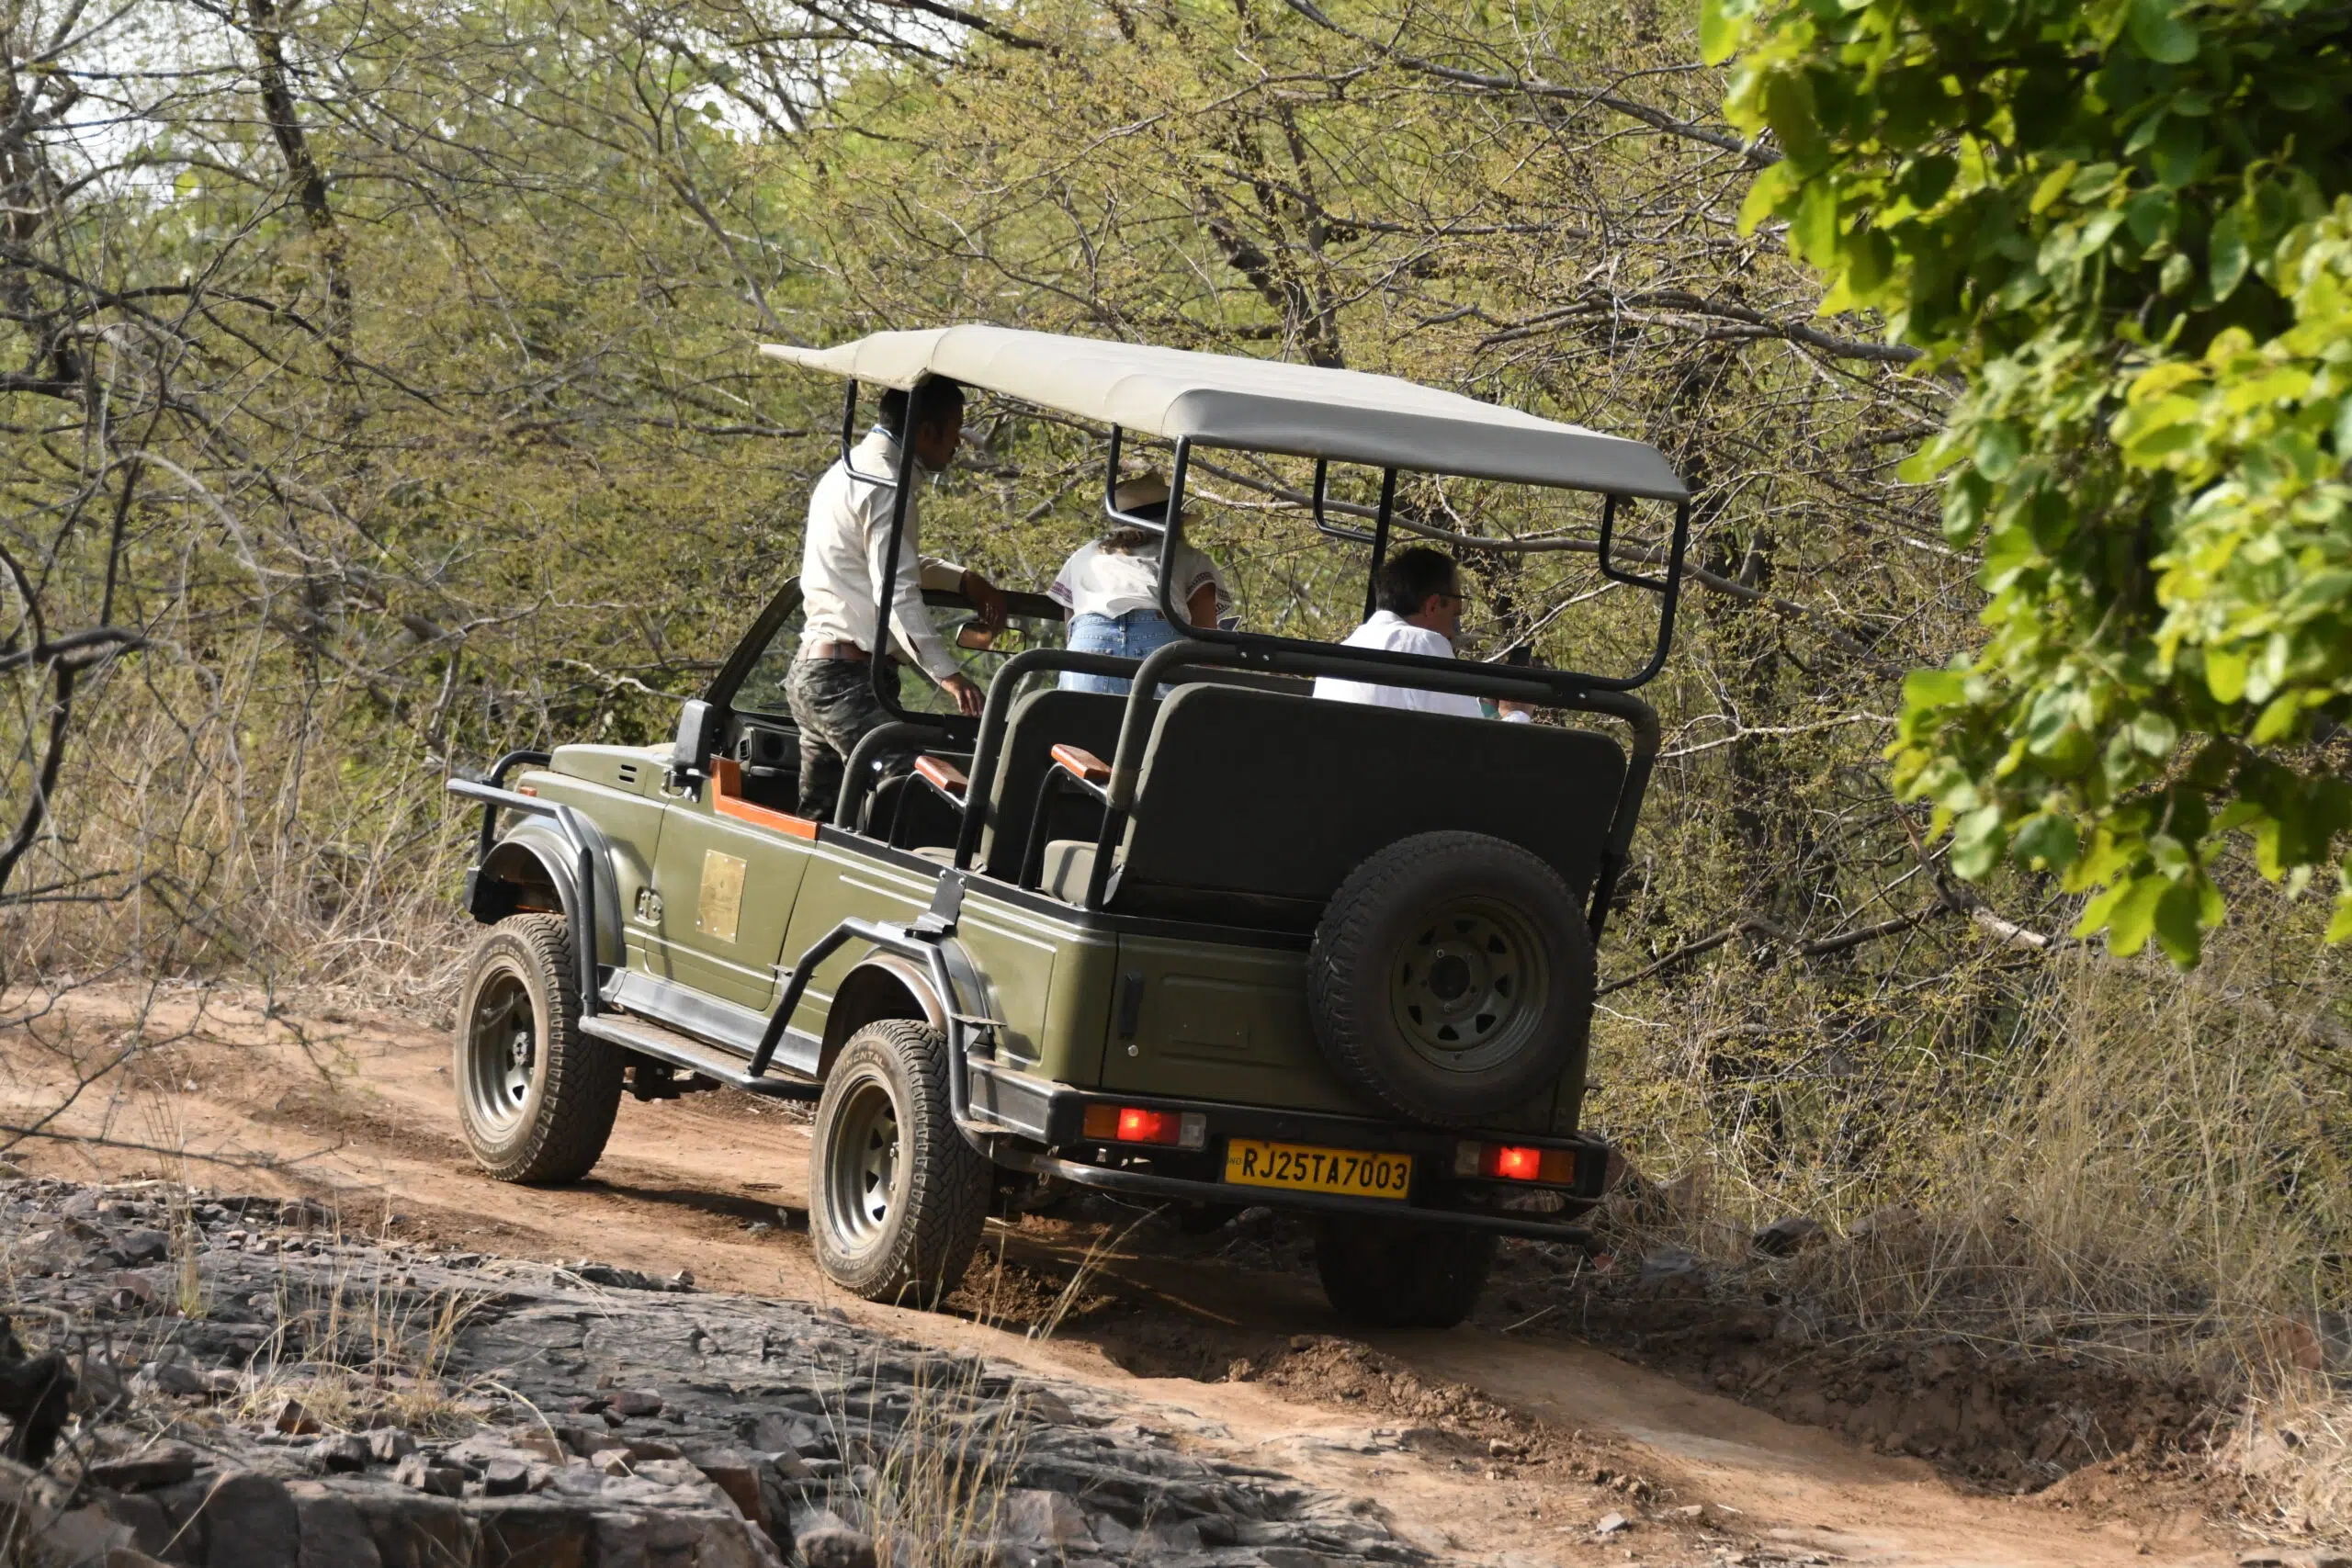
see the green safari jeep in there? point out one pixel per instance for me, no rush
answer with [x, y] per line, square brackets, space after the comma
[1212, 942]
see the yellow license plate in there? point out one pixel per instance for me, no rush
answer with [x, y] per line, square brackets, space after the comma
[1254, 1163]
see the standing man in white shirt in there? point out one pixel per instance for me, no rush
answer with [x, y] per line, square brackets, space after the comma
[831, 686]
[1420, 595]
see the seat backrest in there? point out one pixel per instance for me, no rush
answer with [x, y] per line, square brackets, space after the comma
[1277, 797]
[1040, 721]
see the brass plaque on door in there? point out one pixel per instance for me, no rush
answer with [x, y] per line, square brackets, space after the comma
[722, 896]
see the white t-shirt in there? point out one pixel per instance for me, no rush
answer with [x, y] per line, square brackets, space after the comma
[1392, 633]
[1096, 582]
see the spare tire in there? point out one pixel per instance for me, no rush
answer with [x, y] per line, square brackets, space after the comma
[1452, 978]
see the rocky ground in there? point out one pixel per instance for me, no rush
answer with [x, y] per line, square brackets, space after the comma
[1587, 1417]
[256, 1389]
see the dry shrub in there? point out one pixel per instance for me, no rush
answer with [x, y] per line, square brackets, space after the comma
[255, 843]
[2077, 1157]
[2130, 1165]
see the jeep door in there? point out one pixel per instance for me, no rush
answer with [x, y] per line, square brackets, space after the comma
[729, 862]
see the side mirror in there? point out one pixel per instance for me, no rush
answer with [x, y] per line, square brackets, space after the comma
[690, 752]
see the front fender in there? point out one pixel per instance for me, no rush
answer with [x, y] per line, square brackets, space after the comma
[879, 985]
[535, 860]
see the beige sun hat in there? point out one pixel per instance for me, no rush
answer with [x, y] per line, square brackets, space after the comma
[1147, 489]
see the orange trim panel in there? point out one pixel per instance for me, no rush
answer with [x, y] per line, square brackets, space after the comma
[727, 799]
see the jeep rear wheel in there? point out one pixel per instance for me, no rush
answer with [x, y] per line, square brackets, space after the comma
[536, 1097]
[896, 1196]
[1452, 978]
[1394, 1274]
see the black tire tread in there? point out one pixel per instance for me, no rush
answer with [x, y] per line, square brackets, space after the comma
[1393, 1274]
[936, 1228]
[1335, 1006]
[582, 1094]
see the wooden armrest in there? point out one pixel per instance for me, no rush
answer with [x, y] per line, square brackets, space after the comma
[943, 773]
[1083, 764]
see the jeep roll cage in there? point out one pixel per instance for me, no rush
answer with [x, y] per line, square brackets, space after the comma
[1329, 415]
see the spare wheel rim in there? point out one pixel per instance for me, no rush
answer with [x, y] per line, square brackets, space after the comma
[1468, 985]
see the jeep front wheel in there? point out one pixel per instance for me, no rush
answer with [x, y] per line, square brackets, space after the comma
[536, 1097]
[896, 1196]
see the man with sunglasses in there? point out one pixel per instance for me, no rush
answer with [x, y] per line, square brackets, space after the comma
[1420, 595]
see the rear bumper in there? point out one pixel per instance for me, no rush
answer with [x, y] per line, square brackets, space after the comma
[1148, 1184]
[1053, 1115]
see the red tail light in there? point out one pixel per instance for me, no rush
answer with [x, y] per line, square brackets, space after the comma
[1137, 1125]
[1134, 1125]
[1515, 1164]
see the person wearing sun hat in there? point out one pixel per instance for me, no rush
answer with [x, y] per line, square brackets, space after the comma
[1109, 587]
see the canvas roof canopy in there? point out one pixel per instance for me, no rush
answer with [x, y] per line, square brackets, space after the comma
[1219, 400]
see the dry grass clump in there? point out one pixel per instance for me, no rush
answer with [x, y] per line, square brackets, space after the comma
[938, 1455]
[2293, 1447]
[187, 1246]
[360, 1350]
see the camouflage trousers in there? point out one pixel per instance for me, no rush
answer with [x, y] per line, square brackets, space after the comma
[833, 702]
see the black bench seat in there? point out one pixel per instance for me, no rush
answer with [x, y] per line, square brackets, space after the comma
[1257, 805]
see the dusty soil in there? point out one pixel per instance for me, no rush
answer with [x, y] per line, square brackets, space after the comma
[1509, 1439]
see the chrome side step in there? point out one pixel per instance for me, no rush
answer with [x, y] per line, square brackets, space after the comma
[688, 1054]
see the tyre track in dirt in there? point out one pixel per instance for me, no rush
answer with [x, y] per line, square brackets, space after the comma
[359, 1108]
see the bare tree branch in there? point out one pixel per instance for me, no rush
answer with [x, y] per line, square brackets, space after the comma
[1779, 936]
[1752, 154]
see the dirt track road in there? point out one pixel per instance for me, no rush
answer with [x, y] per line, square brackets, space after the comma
[357, 1108]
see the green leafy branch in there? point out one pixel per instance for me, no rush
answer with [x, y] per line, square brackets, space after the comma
[2127, 225]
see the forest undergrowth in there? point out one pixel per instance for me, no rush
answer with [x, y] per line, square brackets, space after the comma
[2144, 1171]
[453, 444]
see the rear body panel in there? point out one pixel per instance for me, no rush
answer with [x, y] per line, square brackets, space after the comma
[1048, 983]
[1217, 1023]
[1075, 1000]
[1081, 1010]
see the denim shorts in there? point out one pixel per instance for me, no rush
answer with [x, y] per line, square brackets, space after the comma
[1130, 636]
